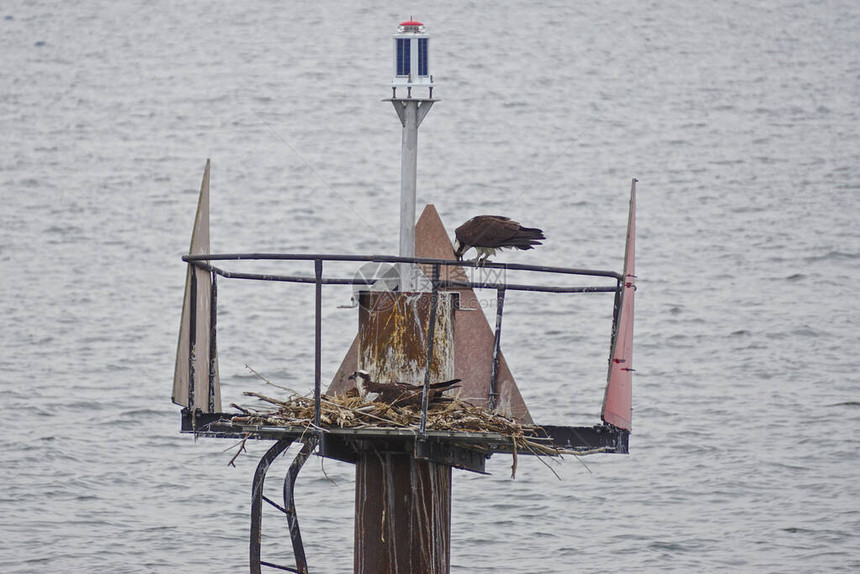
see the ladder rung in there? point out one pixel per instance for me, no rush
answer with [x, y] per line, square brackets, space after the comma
[275, 504]
[287, 568]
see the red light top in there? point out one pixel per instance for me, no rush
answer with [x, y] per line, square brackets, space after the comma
[411, 23]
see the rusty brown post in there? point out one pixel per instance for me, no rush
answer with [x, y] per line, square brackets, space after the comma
[402, 514]
[402, 503]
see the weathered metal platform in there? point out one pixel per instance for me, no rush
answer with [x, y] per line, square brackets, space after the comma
[466, 450]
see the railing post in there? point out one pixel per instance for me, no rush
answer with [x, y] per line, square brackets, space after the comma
[192, 342]
[431, 336]
[318, 268]
[494, 380]
[213, 348]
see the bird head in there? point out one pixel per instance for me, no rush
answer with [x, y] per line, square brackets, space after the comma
[459, 249]
[360, 377]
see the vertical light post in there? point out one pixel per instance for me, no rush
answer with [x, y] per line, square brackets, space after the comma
[412, 75]
[403, 499]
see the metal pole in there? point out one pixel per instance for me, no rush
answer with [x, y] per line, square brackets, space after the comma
[408, 178]
[431, 337]
[318, 267]
[403, 500]
[192, 341]
[408, 184]
[213, 348]
[202, 259]
[500, 306]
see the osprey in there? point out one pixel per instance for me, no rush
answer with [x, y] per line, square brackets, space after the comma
[491, 233]
[399, 394]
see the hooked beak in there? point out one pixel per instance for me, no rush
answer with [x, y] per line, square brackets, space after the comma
[351, 377]
[458, 250]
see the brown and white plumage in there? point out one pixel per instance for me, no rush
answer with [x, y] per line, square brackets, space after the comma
[399, 394]
[490, 233]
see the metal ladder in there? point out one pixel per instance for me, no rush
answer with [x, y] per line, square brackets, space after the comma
[289, 507]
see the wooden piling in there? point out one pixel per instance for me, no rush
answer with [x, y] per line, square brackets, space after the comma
[402, 514]
[403, 503]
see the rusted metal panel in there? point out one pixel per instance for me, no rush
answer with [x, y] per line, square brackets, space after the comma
[474, 365]
[402, 514]
[618, 399]
[473, 347]
[431, 241]
[392, 337]
[340, 383]
[195, 376]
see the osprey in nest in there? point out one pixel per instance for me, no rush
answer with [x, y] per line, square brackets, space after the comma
[399, 394]
[490, 233]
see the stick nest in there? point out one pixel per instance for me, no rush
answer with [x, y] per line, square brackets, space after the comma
[352, 412]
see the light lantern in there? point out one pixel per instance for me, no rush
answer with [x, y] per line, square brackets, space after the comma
[411, 59]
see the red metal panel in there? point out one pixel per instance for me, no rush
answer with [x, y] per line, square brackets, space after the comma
[473, 343]
[341, 383]
[473, 353]
[618, 401]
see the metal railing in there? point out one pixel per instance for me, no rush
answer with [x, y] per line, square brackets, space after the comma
[204, 262]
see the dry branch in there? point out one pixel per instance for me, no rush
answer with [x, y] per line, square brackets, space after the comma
[351, 411]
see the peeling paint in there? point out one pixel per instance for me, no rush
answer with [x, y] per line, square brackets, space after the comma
[392, 339]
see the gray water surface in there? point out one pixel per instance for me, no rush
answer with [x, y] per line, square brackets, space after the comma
[740, 121]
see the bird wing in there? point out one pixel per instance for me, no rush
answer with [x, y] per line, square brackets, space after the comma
[487, 231]
[445, 385]
[420, 387]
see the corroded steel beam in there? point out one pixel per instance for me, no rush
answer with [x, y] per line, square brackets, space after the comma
[392, 337]
[402, 514]
[402, 502]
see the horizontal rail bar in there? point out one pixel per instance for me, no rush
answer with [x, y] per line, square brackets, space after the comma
[282, 278]
[518, 287]
[396, 259]
[365, 282]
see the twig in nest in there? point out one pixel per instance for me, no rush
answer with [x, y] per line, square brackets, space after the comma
[240, 451]
[582, 462]
[262, 397]
[243, 409]
[350, 411]
[268, 382]
[358, 410]
[514, 463]
[325, 474]
[540, 458]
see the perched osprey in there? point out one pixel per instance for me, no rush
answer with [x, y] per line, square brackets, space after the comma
[490, 233]
[399, 394]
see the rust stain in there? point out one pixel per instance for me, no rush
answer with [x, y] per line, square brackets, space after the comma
[474, 344]
[474, 340]
[402, 514]
[392, 339]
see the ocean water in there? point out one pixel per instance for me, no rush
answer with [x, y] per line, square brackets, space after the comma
[740, 121]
